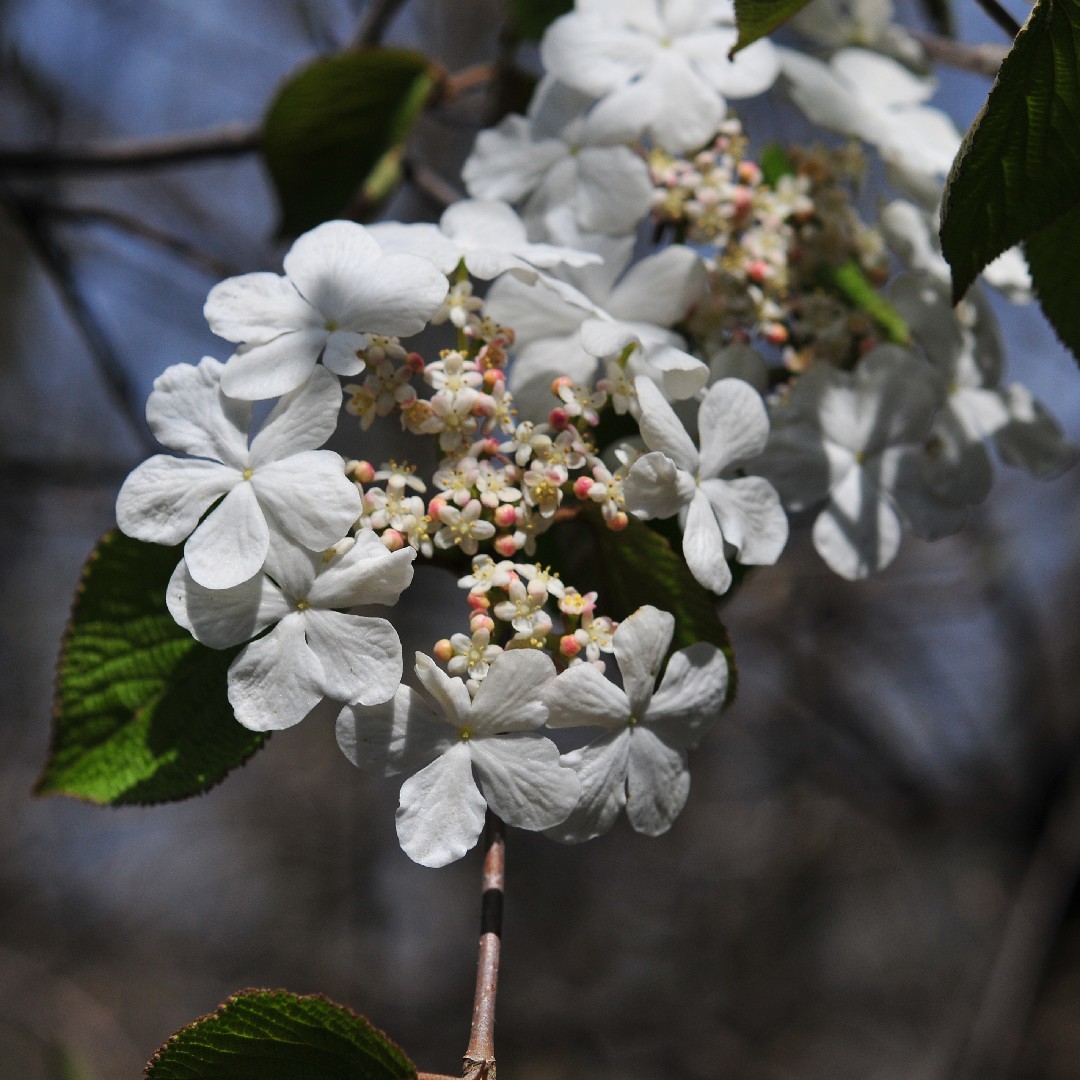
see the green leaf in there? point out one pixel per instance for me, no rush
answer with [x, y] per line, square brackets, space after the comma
[850, 281]
[756, 18]
[275, 1035]
[530, 18]
[775, 164]
[339, 127]
[638, 566]
[141, 713]
[1018, 169]
[1051, 256]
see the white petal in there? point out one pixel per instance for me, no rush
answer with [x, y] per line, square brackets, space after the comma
[858, 532]
[661, 288]
[424, 240]
[310, 497]
[656, 488]
[581, 696]
[451, 695]
[277, 680]
[601, 768]
[341, 352]
[688, 109]
[750, 516]
[188, 412]
[605, 337]
[256, 372]
[522, 780]
[331, 265]
[538, 364]
[662, 430]
[753, 70]
[679, 375]
[510, 698]
[399, 297]
[483, 223]
[508, 161]
[641, 643]
[223, 617]
[796, 463]
[231, 543]
[881, 78]
[256, 308]
[703, 546]
[399, 735]
[691, 694]
[1033, 439]
[366, 574]
[441, 813]
[301, 420]
[162, 500]
[733, 423]
[614, 190]
[360, 656]
[657, 784]
[822, 96]
[593, 54]
[537, 312]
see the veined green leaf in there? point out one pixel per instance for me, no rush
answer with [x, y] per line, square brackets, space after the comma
[141, 712]
[1051, 256]
[339, 127]
[275, 1035]
[756, 18]
[1018, 170]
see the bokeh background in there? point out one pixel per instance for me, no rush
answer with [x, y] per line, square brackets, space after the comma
[874, 876]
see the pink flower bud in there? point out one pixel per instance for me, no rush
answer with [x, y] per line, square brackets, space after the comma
[569, 646]
[415, 363]
[361, 471]
[559, 418]
[582, 486]
[392, 540]
[436, 506]
[505, 516]
[479, 621]
[506, 546]
[479, 601]
[443, 650]
[617, 522]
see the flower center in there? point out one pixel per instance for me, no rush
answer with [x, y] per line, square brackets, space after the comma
[465, 734]
[303, 604]
[249, 472]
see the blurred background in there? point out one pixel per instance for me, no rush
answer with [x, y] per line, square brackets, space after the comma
[874, 877]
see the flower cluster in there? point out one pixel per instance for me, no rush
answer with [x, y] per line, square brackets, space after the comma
[749, 363]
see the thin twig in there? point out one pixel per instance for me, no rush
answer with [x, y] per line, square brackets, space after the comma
[430, 183]
[231, 140]
[376, 20]
[480, 1056]
[191, 253]
[1000, 16]
[979, 59]
[55, 262]
[1030, 930]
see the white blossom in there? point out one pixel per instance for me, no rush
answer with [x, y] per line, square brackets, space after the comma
[471, 753]
[339, 286]
[677, 478]
[279, 483]
[640, 761]
[314, 650]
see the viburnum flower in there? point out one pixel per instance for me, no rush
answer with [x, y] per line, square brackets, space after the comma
[339, 286]
[660, 66]
[487, 234]
[279, 483]
[640, 761]
[314, 650]
[676, 478]
[856, 439]
[472, 753]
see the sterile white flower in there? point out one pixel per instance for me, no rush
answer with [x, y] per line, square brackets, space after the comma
[339, 286]
[660, 66]
[640, 761]
[471, 753]
[487, 234]
[278, 483]
[676, 478]
[314, 650]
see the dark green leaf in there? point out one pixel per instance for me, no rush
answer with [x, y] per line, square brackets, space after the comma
[775, 164]
[274, 1035]
[1018, 169]
[756, 18]
[530, 18]
[141, 712]
[1051, 256]
[337, 131]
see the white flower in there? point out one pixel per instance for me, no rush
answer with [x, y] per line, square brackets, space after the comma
[661, 66]
[640, 761]
[314, 650]
[857, 440]
[553, 159]
[744, 512]
[471, 754]
[488, 235]
[280, 483]
[338, 287]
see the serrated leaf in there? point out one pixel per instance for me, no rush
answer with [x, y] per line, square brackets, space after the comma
[275, 1035]
[1018, 169]
[530, 18]
[756, 18]
[339, 127]
[141, 712]
[1051, 258]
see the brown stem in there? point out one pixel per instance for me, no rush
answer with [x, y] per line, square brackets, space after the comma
[1000, 16]
[978, 59]
[376, 21]
[232, 140]
[480, 1056]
